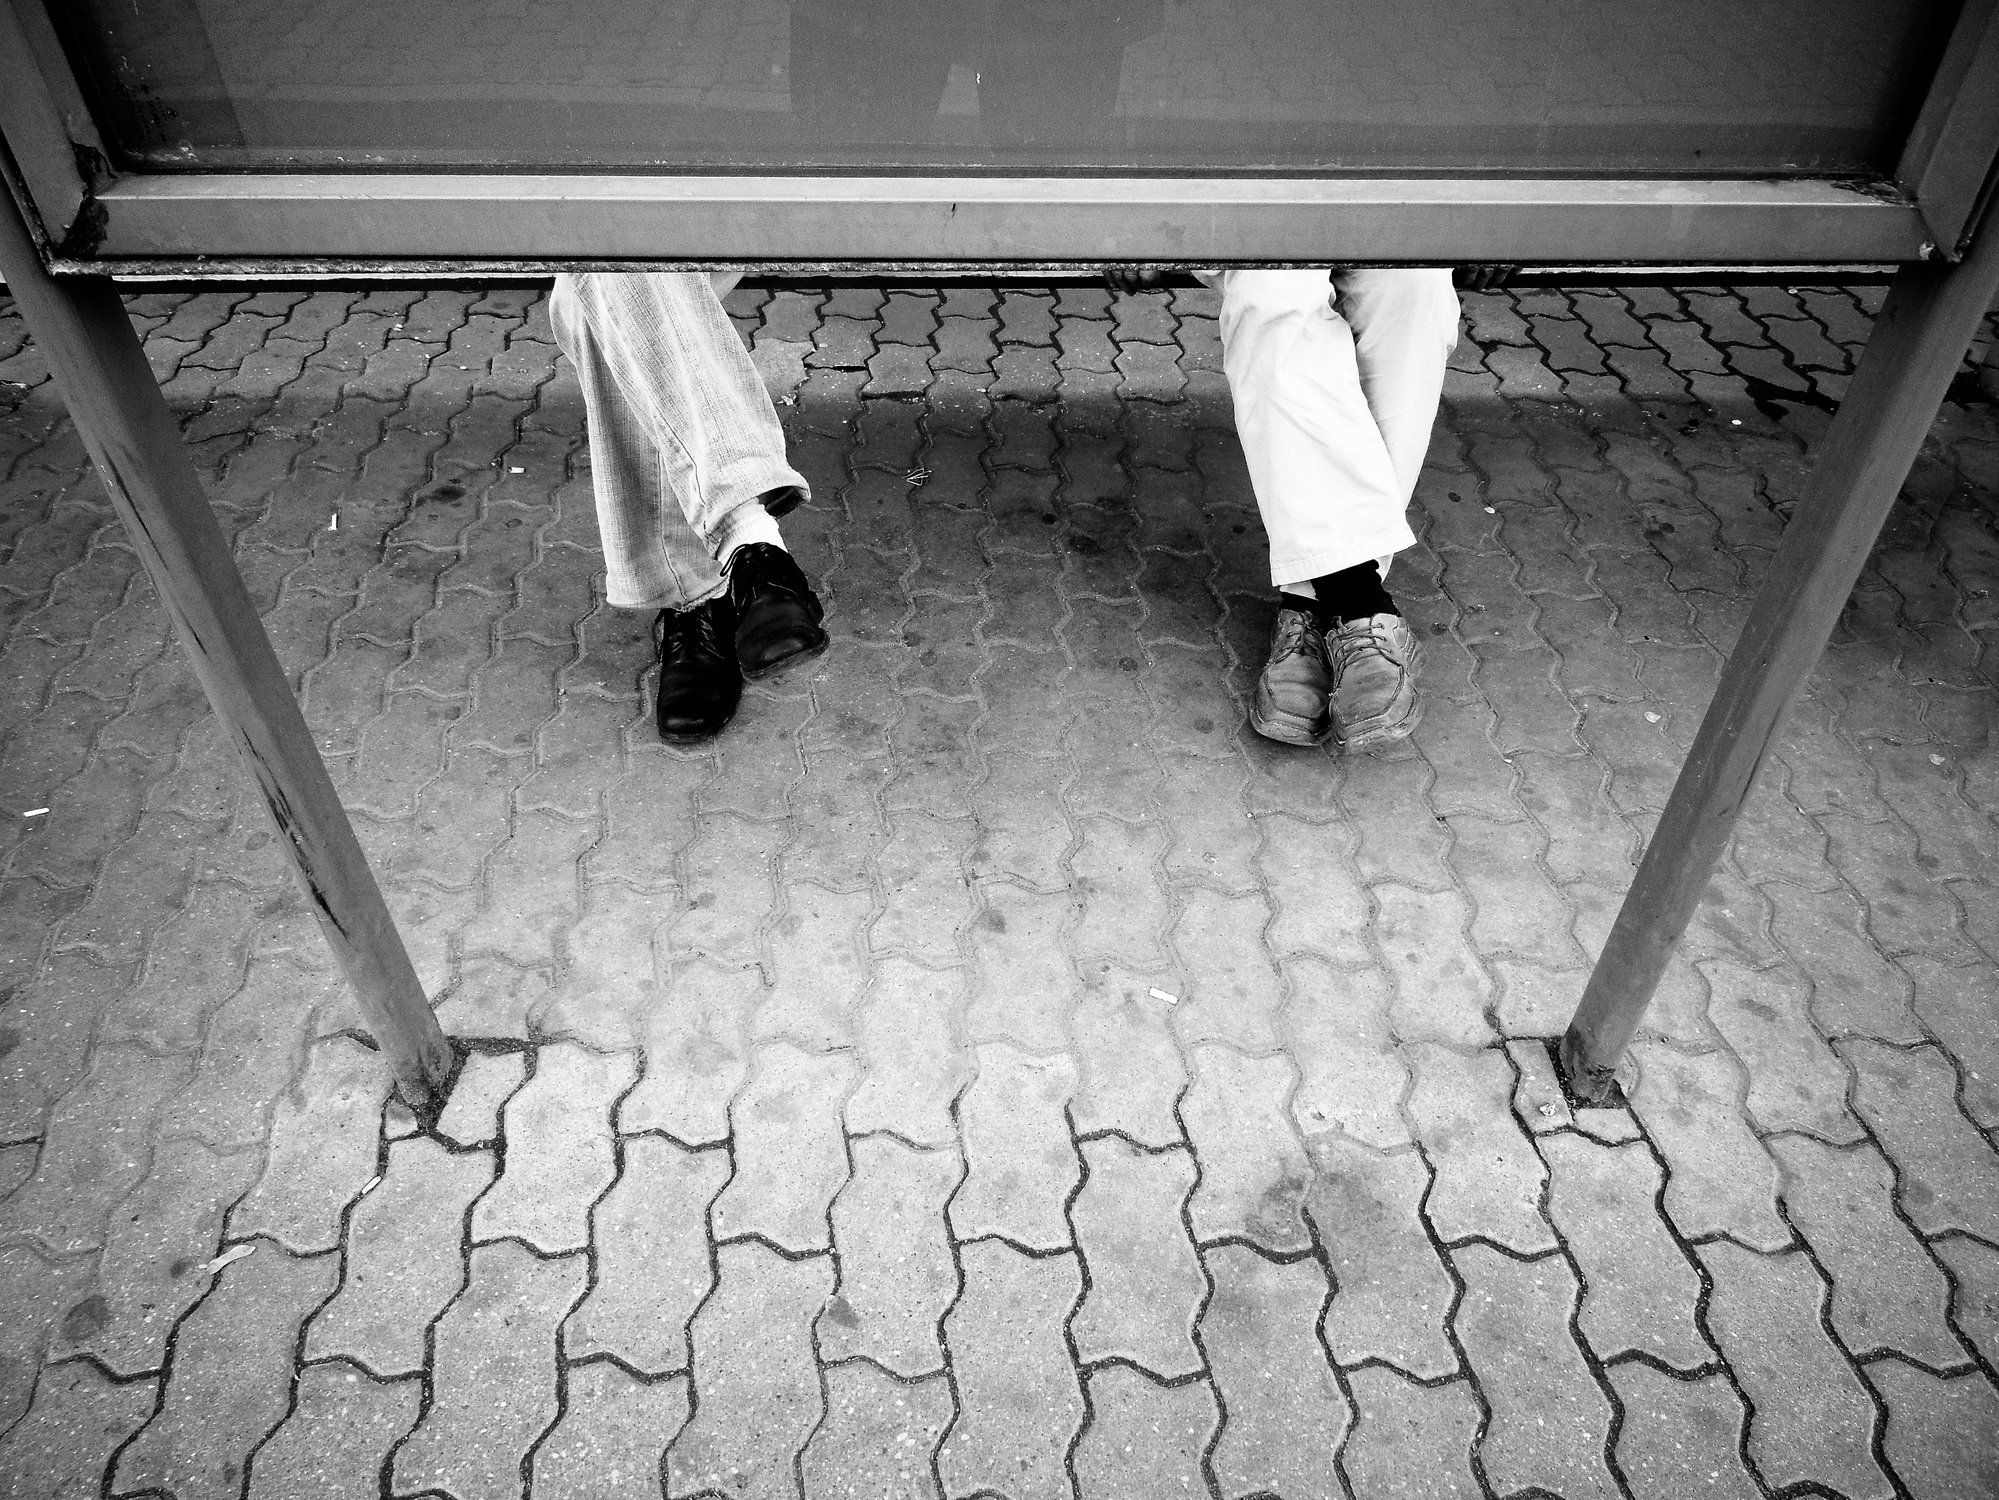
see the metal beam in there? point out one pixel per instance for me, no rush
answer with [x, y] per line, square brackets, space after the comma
[1916, 346]
[513, 224]
[81, 328]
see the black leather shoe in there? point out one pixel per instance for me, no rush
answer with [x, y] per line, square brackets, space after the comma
[777, 614]
[699, 682]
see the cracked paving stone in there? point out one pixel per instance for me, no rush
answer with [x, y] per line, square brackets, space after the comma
[1796, 1082]
[1975, 1303]
[1018, 1402]
[558, 1151]
[1146, 1282]
[1144, 1438]
[1942, 1437]
[1887, 1293]
[338, 1436]
[493, 1380]
[1721, 1180]
[325, 1143]
[153, 1268]
[650, 1233]
[1639, 1289]
[878, 1437]
[1130, 1071]
[404, 1260]
[1391, 1293]
[61, 1448]
[1411, 1442]
[1538, 1100]
[897, 1276]
[1550, 1420]
[1021, 1165]
[1949, 1171]
[1811, 1420]
[1351, 1077]
[756, 1383]
[1680, 1438]
[1253, 1168]
[487, 1081]
[612, 1436]
[1488, 1179]
[1286, 1415]
[695, 1053]
[913, 1068]
[231, 1378]
[790, 1152]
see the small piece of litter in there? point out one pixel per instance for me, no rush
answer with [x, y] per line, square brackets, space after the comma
[34, 812]
[1650, 717]
[1490, 511]
[333, 521]
[1936, 760]
[233, 1253]
[1735, 421]
[512, 470]
[916, 476]
[1162, 995]
[1547, 1111]
[371, 1184]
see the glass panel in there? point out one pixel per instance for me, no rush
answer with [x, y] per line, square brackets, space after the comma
[1703, 87]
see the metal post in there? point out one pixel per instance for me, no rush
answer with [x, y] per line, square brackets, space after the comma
[80, 326]
[1917, 345]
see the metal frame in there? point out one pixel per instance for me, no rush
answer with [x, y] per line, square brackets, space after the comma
[69, 224]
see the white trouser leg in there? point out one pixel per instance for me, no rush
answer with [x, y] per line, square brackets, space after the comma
[1336, 386]
[683, 438]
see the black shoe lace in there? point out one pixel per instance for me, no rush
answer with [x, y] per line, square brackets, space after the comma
[681, 634]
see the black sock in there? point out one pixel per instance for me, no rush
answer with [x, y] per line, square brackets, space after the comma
[1353, 594]
[1300, 602]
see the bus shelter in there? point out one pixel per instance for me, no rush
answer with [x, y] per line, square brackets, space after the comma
[193, 140]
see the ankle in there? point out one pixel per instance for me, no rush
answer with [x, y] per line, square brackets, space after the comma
[1355, 593]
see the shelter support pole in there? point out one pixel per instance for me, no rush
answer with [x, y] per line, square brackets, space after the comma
[81, 328]
[1917, 344]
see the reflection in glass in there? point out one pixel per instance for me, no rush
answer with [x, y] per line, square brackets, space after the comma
[1704, 87]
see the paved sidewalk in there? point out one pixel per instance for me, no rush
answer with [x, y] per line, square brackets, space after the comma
[988, 1069]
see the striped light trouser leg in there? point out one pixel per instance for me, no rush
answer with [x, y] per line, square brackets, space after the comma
[683, 438]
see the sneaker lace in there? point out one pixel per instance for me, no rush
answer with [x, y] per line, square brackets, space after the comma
[681, 633]
[1359, 638]
[1297, 635]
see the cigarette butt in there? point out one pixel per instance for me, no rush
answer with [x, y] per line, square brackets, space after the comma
[333, 523]
[371, 1184]
[34, 812]
[233, 1253]
[1162, 995]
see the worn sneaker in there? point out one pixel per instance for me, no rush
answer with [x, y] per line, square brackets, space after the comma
[1373, 698]
[1290, 701]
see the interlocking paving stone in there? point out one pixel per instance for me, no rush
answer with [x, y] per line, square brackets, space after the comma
[1411, 1442]
[1955, 1003]
[1680, 1438]
[1130, 1072]
[756, 1385]
[1722, 1180]
[1811, 1419]
[152, 1269]
[494, 1375]
[1352, 1077]
[1488, 1179]
[1942, 1437]
[1021, 1167]
[1019, 1405]
[1796, 1082]
[61, 1448]
[612, 1438]
[1538, 1101]
[403, 1258]
[1639, 1290]
[337, 1437]
[878, 1437]
[1974, 1304]
[230, 1381]
[1391, 1293]
[695, 1054]
[790, 1155]
[1550, 1421]
[1254, 1174]
[1949, 1172]
[472, 1115]
[650, 1234]
[1886, 1293]
[1146, 1283]
[912, 1067]
[325, 1135]
[558, 1150]
[1144, 1438]
[897, 1275]
[51, 1299]
[1286, 1413]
